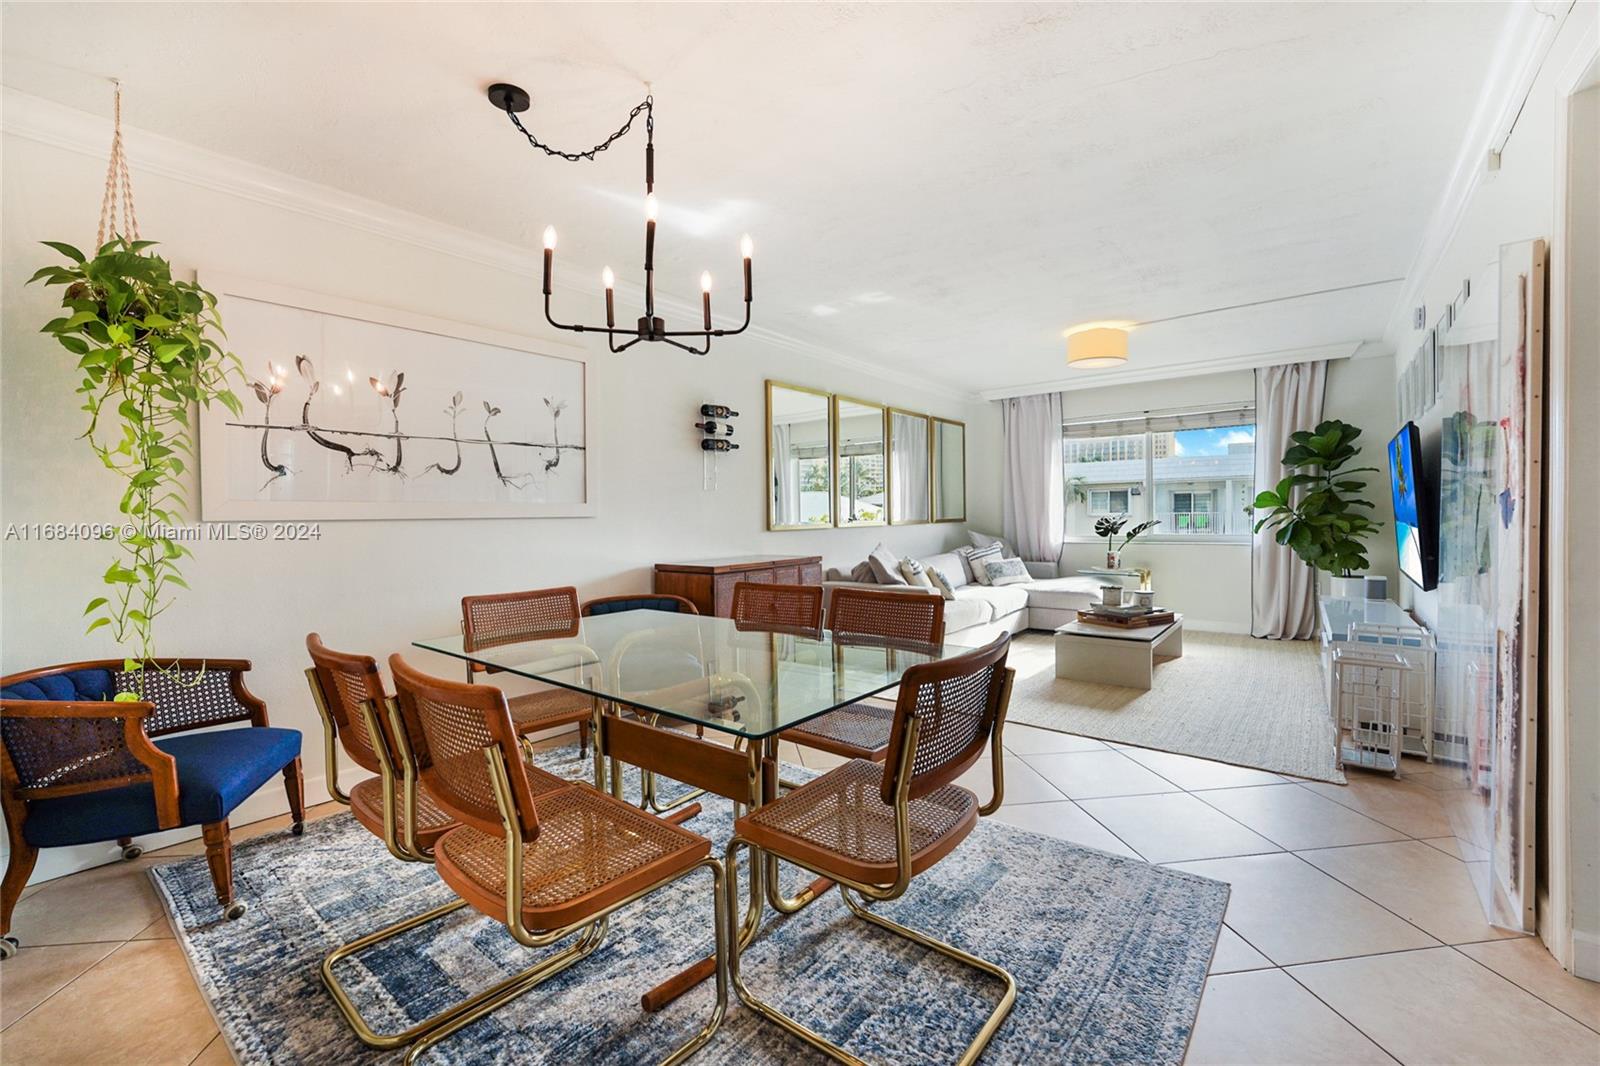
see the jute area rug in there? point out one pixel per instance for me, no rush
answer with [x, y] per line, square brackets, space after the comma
[1234, 699]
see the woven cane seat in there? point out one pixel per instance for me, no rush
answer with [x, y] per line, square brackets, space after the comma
[855, 731]
[592, 851]
[433, 821]
[838, 824]
[366, 803]
[552, 707]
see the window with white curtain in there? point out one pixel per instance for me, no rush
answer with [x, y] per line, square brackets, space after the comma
[1193, 471]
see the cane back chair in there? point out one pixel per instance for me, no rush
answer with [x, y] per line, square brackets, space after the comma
[873, 828]
[548, 865]
[778, 608]
[513, 617]
[861, 730]
[358, 714]
[79, 767]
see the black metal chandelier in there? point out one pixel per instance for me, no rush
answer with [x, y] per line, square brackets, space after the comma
[513, 100]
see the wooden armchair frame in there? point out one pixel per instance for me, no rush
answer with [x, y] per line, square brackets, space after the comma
[142, 720]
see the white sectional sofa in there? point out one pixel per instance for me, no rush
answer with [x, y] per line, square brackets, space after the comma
[979, 613]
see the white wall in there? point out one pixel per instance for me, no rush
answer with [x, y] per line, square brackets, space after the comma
[1518, 201]
[1208, 581]
[376, 586]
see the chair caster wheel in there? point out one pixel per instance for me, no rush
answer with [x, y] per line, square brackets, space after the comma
[298, 829]
[235, 910]
[131, 852]
[8, 946]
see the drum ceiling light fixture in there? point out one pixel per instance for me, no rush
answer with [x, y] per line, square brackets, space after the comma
[650, 327]
[1097, 345]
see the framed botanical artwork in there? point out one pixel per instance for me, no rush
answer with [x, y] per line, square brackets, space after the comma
[353, 411]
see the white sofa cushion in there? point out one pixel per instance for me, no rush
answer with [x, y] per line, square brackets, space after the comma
[953, 567]
[1000, 601]
[1063, 593]
[966, 611]
[886, 566]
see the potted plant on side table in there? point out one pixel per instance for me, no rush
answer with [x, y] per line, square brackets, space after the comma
[1315, 510]
[1108, 526]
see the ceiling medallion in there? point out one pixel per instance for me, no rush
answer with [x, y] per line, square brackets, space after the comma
[650, 327]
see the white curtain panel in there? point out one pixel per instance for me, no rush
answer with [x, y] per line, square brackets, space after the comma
[1034, 515]
[785, 477]
[1283, 589]
[908, 479]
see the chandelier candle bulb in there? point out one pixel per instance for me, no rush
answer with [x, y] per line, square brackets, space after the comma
[610, 281]
[549, 255]
[705, 297]
[746, 248]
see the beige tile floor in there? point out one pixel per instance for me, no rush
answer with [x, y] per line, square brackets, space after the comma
[1353, 934]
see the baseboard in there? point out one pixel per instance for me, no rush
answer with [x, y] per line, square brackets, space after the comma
[1205, 625]
[268, 802]
[1586, 955]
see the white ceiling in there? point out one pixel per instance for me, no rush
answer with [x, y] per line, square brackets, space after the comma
[935, 189]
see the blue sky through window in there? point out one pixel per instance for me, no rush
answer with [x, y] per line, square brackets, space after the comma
[1211, 441]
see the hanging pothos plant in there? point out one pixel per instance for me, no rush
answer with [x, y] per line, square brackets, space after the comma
[142, 345]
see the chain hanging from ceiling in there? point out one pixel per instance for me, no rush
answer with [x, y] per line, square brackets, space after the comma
[650, 327]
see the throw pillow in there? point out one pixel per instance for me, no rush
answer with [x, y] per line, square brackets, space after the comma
[978, 557]
[951, 564]
[916, 574]
[942, 582]
[863, 573]
[885, 566]
[1005, 572]
[983, 540]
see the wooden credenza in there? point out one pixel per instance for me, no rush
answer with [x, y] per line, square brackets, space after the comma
[708, 583]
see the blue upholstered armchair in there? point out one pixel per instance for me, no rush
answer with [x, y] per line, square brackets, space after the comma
[77, 767]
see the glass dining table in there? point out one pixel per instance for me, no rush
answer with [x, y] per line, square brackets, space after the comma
[641, 666]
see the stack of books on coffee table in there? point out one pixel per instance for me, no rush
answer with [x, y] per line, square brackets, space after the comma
[1130, 616]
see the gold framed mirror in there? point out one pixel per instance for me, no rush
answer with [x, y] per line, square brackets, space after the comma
[799, 457]
[949, 477]
[910, 464]
[861, 462]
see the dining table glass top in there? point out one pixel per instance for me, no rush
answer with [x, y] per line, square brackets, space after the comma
[704, 670]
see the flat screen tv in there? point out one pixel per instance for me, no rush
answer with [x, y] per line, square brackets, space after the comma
[1416, 533]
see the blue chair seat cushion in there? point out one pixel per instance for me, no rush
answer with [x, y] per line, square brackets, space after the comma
[217, 771]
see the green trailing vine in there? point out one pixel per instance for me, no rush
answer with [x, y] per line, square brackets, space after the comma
[142, 343]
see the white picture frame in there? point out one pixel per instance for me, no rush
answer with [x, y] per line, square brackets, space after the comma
[490, 424]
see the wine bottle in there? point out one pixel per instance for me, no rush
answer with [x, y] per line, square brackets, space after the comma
[717, 410]
[718, 444]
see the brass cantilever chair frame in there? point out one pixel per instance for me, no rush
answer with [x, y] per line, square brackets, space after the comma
[520, 828]
[396, 769]
[901, 784]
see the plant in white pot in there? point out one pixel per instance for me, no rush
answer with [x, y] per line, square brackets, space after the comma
[1315, 510]
[1108, 526]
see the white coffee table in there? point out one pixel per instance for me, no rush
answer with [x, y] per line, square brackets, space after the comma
[1106, 655]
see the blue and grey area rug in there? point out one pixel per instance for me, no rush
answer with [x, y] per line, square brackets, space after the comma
[1110, 955]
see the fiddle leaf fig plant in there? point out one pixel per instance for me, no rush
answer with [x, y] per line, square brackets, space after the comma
[142, 344]
[1315, 510]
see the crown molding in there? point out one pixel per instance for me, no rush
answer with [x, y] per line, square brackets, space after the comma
[1524, 40]
[1101, 379]
[47, 122]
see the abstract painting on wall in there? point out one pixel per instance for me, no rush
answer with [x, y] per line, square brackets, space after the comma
[353, 411]
[1490, 459]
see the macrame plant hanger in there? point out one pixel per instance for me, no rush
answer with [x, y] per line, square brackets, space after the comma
[119, 186]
